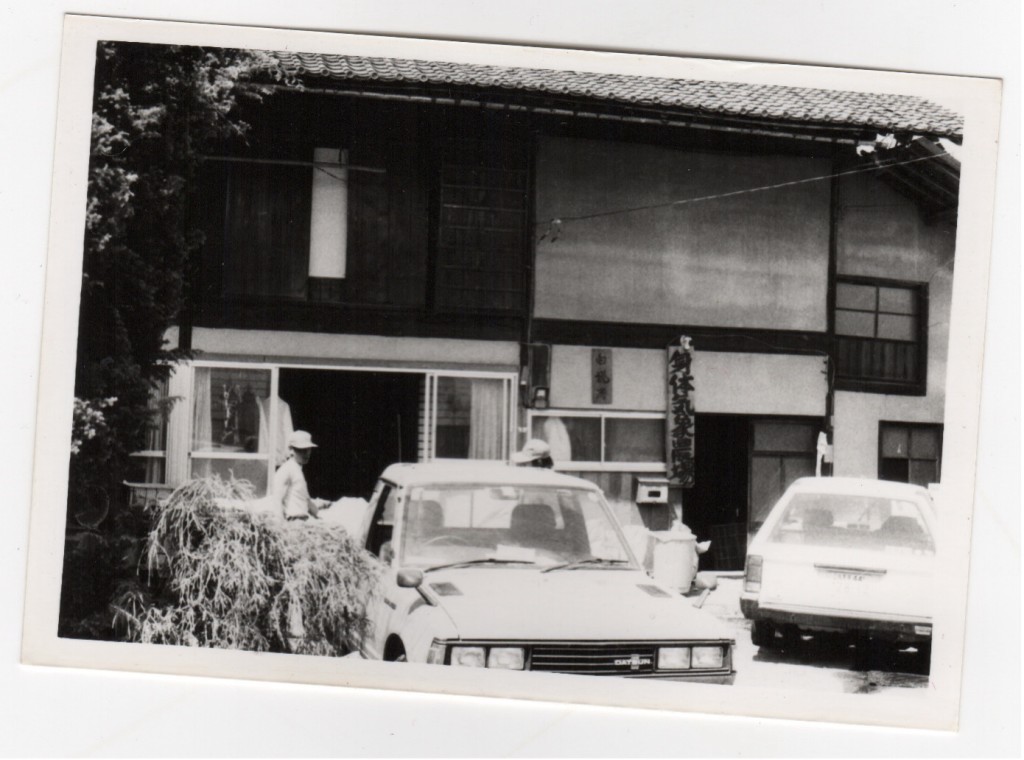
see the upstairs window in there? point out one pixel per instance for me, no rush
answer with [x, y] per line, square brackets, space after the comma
[880, 329]
[328, 224]
[482, 226]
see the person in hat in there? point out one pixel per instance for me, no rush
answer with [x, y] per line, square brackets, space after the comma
[535, 453]
[289, 487]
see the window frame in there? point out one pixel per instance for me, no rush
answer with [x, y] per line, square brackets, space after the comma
[909, 426]
[604, 465]
[192, 455]
[426, 451]
[160, 395]
[778, 455]
[866, 384]
[509, 380]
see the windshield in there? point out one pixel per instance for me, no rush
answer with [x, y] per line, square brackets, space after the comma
[519, 526]
[864, 522]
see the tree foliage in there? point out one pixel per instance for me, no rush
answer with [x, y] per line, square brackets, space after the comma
[156, 110]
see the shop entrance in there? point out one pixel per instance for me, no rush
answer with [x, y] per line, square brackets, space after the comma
[716, 507]
[361, 421]
[742, 465]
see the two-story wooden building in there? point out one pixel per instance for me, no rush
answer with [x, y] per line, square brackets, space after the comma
[418, 260]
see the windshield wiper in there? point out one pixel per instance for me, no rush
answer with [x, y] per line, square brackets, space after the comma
[584, 562]
[482, 561]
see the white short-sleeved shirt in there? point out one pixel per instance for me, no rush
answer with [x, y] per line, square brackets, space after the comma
[290, 489]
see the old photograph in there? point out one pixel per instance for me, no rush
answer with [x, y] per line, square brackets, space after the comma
[446, 369]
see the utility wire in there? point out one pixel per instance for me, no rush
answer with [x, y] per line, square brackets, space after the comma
[775, 186]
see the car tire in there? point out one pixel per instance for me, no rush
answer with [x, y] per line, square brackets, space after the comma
[762, 634]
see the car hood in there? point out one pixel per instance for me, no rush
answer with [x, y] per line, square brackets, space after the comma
[584, 604]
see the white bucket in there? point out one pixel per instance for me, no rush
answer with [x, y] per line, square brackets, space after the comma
[673, 556]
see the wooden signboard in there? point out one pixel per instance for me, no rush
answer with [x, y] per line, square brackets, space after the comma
[681, 427]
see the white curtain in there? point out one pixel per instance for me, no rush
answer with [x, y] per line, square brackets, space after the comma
[283, 431]
[558, 439]
[202, 426]
[485, 419]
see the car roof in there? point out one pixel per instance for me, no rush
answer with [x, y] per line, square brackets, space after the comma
[860, 487]
[480, 471]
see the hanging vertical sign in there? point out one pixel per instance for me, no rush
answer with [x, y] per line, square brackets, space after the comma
[681, 428]
[601, 376]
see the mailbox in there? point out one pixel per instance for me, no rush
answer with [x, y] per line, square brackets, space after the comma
[651, 491]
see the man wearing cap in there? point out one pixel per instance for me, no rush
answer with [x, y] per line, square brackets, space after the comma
[535, 453]
[289, 487]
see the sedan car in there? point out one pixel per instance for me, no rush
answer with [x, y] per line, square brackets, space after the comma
[843, 555]
[518, 568]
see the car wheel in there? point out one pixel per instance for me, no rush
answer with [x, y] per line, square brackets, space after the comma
[395, 651]
[762, 634]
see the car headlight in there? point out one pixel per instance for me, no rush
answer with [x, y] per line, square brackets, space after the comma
[708, 657]
[508, 658]
[673, 658]
[471, 657]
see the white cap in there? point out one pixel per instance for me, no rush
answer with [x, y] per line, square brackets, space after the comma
[533, 450]
[300, 439]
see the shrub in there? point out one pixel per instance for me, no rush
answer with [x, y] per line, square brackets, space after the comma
[216, 576]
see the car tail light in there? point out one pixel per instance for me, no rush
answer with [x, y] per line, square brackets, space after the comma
[435, 656]
[752, 578]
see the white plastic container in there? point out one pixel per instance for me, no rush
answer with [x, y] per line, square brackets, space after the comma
[673, 556]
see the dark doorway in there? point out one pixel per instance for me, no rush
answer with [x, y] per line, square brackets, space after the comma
[716, 507]
[361, 421]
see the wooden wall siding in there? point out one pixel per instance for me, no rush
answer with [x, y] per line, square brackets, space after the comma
[388, 213]
[266, 232]
[257, 216]
[483, 212]
[875, 359]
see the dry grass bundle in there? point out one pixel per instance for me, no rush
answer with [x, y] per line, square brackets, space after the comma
[230, 578]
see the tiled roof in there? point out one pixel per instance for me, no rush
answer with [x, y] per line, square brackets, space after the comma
[775, 103]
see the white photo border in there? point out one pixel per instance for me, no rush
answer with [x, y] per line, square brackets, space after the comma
[935, 708]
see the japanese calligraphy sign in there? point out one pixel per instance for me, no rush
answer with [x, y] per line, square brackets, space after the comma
[601, 376]
[681, 427]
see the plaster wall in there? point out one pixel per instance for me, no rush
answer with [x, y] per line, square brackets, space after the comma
[375, 350]
[883, 234]
[735, 256]
[726, 383]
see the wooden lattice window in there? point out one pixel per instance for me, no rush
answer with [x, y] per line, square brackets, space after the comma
[482, 226]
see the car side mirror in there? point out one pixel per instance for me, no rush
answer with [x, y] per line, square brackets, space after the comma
[410, 578]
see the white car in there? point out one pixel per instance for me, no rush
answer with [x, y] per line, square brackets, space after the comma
[843, 555]
[521, 568]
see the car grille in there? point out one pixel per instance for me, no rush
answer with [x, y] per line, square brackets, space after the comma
[594, 659]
